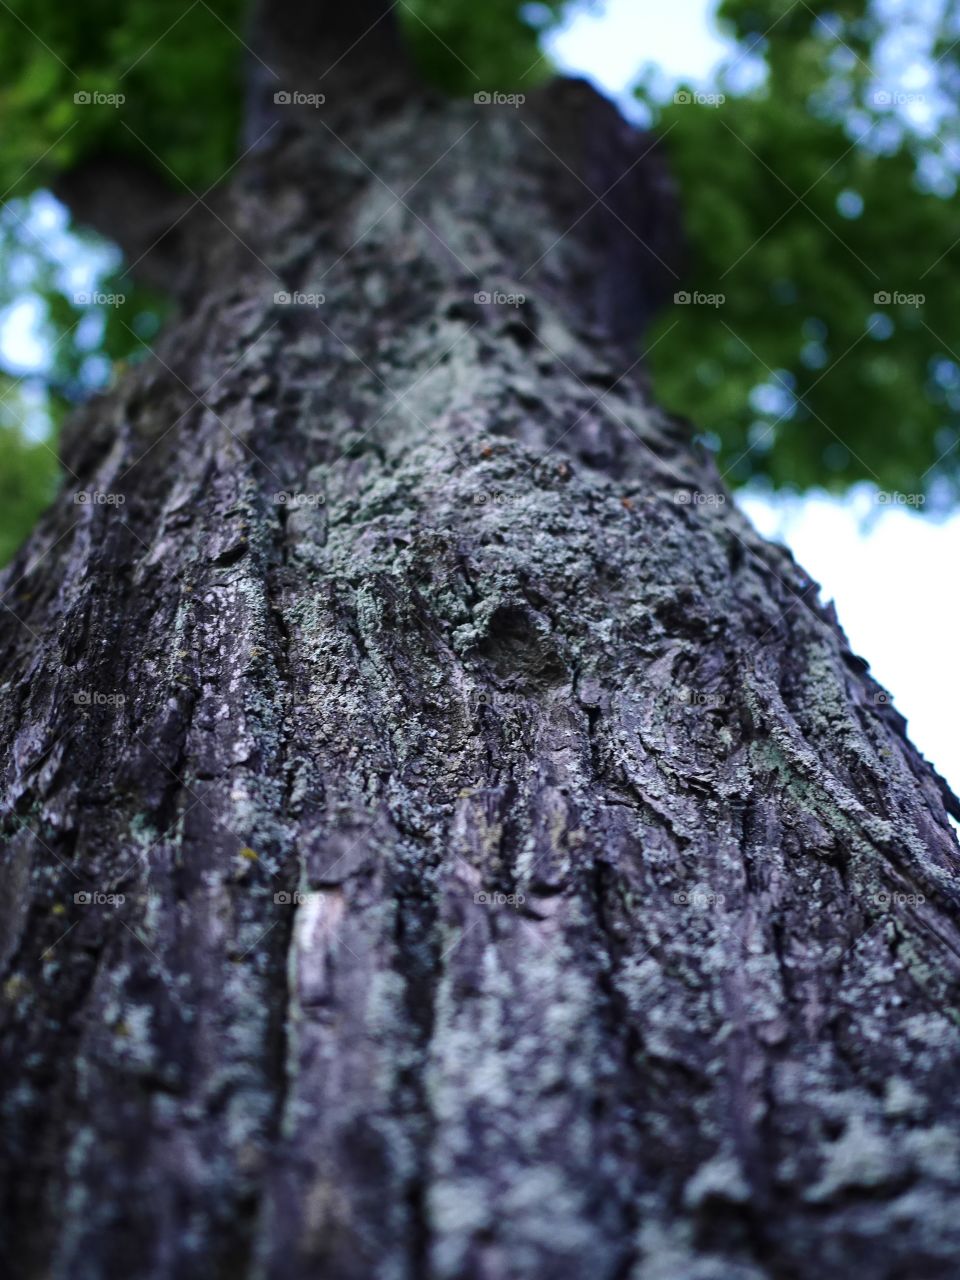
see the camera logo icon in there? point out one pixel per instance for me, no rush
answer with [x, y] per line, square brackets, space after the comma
[282, 98]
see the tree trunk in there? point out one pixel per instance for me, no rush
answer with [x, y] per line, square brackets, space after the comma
[501, 867]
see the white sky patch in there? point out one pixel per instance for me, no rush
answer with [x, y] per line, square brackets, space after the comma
[612, 42]
[22, 338]
[887, 569]
[83, 263]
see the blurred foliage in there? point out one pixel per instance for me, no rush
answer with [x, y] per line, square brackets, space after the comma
[179, 68]
[822, 181]
[811, 197]
[54, 283]
[29, 472]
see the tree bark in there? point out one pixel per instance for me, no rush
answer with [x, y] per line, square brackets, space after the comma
[520, 877]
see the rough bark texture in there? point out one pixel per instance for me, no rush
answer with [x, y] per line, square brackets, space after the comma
[521, 877]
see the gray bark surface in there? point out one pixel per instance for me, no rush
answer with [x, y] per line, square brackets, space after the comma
[521, 876]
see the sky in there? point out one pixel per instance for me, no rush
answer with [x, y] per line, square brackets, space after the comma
[604, 42]
[888, 570]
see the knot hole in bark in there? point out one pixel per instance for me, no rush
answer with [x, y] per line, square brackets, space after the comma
[517, 645]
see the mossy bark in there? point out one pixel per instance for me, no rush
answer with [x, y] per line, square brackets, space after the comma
[520, 877]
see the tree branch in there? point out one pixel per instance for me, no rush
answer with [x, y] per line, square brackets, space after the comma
[292, 29]
[130, 204]
[333, 50]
